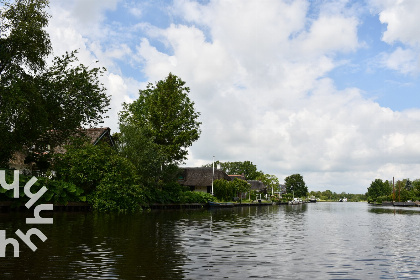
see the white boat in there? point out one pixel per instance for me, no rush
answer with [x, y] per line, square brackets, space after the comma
[295, 201]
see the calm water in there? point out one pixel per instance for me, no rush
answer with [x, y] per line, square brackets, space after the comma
[314, 241]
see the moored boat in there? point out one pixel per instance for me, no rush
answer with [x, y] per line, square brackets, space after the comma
[221, 204]
[295, 201]
[312, 199]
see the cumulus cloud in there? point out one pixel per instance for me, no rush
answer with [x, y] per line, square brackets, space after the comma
[76, 25]
[259, 75]
[401, 19]
[405, 61]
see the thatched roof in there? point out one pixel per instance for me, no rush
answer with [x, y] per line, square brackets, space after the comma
[200, 176]
[99, 134]
[282, 188]
[95, 135]
[241, 177]
[257, 185]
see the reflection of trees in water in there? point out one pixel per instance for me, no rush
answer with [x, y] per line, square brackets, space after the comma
[87, 245]
[394, 210]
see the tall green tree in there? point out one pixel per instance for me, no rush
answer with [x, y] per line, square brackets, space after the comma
[41, 104]
[142, 152]
[247, 168]
[271, 182]
[164, 120]
[295, 184]
[379, 188]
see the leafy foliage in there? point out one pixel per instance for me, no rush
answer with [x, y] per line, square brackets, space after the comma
[164, 114]
[378, 188]
[108, 179]
[86, 165]
[295, 184]
[57, 191]
[239, 167]
[270, 181]
[145, 155]
[227, 190]
[111, 196]
[41, 105]
[196, 197]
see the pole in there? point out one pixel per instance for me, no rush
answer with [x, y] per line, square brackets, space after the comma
[212, 178]
[393, 189]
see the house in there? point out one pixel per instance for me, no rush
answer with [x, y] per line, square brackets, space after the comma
[282, 189]
[241, 177]
[257, 185]
[200, 178]
[95, 136]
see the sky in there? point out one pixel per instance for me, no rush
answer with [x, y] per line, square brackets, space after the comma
[326, 89]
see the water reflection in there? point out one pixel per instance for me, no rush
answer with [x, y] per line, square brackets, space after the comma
[394, 210]
[317, 241]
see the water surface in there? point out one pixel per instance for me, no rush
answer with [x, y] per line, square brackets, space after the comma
[316, 241]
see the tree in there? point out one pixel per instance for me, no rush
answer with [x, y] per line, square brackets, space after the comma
[240, 186]
[163, 118]
[239, 167]
[41, 105]
[379, 188]
[87, 166]
[270, 181]
[294, 183]
[165, 114]
[142, 152]
[227, 190]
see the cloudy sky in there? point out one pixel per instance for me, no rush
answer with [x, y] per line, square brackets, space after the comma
[327, 89]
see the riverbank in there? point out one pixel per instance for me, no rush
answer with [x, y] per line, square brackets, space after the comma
[398, 204]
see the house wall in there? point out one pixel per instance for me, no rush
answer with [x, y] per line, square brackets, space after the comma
[200, 189]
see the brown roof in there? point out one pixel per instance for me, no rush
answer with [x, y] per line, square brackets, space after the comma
[256, 185]
[200, 176]
[242, 177]
[96, 134]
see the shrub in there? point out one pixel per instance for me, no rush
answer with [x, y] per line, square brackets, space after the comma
[86, 166]
[113, 197]
[196, 197]
[57, 191]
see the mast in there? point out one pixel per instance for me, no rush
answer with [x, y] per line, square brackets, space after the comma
[393, 189]
[212, 178]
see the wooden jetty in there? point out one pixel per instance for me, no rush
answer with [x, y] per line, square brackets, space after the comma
[400, 204]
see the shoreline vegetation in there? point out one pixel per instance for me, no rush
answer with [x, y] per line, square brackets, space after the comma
[46, 104]
[113, 196]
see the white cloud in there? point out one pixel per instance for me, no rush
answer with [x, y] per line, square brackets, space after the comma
[256, 70]
[401, 19]
[91, 11]
[76, 25]
[405, 61]
[258, 73]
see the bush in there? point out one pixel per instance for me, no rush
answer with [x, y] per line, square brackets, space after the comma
[86, 166]
[196, 197]
[382, 198]
[57, 191]
[227, 190]
[112, 197]
[60, 191]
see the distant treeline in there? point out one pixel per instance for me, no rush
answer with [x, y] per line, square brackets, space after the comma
[388, 190]
[333, 196]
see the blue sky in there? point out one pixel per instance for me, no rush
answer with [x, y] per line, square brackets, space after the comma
[327, 89]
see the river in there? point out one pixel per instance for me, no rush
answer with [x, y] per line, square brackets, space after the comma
[311, 241]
